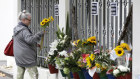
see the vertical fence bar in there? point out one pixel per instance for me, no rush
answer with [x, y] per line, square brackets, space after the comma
[129, 5]
[104, 23]
[83, 32]
[93, 22]
[116, 26]
[79, 21]
[108, 23]
[89, 18]
[124, 14]
[86, 4]
[100, 23]
[47, 2]
[71, 5]
[120, 31]
[96, 29]
[76, 19]
[112, 31]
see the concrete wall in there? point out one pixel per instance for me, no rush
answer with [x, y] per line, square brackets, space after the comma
[136, 39]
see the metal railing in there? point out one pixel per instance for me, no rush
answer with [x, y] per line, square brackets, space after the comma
[104, 26]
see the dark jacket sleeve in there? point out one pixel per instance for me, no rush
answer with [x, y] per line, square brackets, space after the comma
[30, 38]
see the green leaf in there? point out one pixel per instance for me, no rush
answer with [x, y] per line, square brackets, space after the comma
[58, 29]
[68, 29]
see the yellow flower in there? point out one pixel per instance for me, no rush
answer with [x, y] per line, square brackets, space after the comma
[75, 43]
[103, 68]
[97, 65]
[92, 56]
[125, 46]
[46, 20]
[88, 59]
[78, 41]
[52, 18]
[42, 23]
[118, 46]
[88, 40]
[92, 40]
[89, 65]
[49, 18]
[119, 51]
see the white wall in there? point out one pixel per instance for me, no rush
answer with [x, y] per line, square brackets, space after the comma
[63, 9]
[8, 21]
[136, 39]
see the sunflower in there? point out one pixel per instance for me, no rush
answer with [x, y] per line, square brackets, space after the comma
[92, 40]
[119, 51]
[125, 46]
[46, 20]
[49, 18]
[84, 43]
[92, 57]
[78, 41]
[42, 23]
[52, 18]
[97, 65]
[118, 46]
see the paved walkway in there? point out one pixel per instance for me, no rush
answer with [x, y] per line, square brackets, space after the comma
[5, 72]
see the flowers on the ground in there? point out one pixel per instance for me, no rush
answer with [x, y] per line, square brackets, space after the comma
[58, 49]
[121, 70]
[103, 61]
[82, 60]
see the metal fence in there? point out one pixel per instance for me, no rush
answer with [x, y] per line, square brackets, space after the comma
[84, 20]
[42, 9]
[96, 18]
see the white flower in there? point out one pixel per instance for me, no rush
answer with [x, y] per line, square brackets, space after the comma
[54, 44]
[123, 68]
[63, 53]
[51, 52]
[115, 72]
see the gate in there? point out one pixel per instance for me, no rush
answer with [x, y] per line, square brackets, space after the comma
[40, 9]
[101, 18]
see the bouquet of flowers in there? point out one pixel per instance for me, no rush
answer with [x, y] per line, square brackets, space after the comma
[123, 55]
[44, 24]
[103, 62]
[121, 70]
